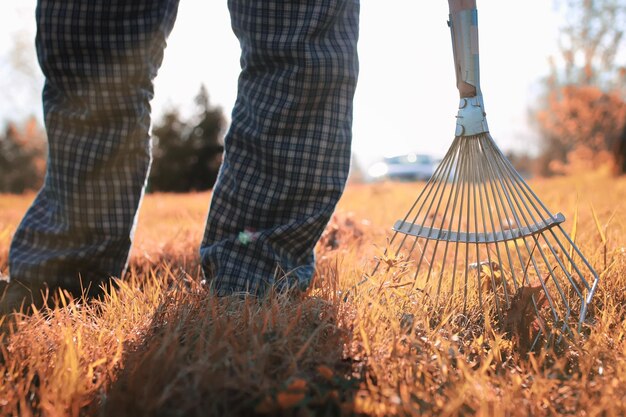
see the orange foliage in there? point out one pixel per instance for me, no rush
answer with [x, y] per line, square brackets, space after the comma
[584, 123]
[22, 156]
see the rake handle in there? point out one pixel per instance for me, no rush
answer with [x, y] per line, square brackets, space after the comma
[458, 5]
[464, 30]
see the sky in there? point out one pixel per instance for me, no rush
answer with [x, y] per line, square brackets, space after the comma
[406, 98]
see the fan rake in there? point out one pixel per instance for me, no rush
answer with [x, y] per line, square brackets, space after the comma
[478, 232]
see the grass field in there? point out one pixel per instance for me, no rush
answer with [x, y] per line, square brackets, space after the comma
[161, 346]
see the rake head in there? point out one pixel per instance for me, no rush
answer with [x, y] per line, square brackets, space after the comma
[478, 237]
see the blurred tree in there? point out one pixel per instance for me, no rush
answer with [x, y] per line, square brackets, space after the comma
[187, 154]
[590, 41]
[583, 125]
[584, 110]
[620, 153]
[523, 163]
[206, 138]
[168, 153]
[22, 157]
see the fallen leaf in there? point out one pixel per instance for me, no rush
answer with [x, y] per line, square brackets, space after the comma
[489, 270]
[326, 372]
[288, 399]
[297, 384]
[520, 316]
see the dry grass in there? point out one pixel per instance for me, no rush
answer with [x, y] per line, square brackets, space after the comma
[159, 345]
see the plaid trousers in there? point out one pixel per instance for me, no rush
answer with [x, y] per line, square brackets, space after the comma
[287, 152]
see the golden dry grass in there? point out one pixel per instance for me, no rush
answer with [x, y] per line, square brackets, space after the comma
[159, 345]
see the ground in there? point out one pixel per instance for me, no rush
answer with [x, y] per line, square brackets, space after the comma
[160, 345]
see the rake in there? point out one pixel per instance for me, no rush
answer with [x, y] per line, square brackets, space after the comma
[479, 232]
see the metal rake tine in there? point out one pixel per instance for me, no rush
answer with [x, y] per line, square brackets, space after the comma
[443, 221]
[495, 199]
[463, 169]
[563, 268]
[493, 229]
[525, 188]
[467, 244]
[555, 280]
[591, 288]
[442, 180]
[512, 191]
[472, 202]
[504, 190]
[447, 161]
[517, 178]
[436, 179]
[481, 210]
[524, 197]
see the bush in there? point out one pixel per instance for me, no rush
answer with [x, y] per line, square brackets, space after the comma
[186, 154]
[22, 157]
[582, 127]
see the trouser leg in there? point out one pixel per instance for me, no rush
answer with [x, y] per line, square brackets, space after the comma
[287, 153]
[99, 59]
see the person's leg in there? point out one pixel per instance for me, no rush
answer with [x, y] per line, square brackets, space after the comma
[287, 153]
[99, 59]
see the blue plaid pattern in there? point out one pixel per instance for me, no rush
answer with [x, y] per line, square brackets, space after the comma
[287, 153]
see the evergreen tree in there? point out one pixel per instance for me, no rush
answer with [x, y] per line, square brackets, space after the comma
[187, 154]
[22, 157]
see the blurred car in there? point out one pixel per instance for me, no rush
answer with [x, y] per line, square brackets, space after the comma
[409, 167]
